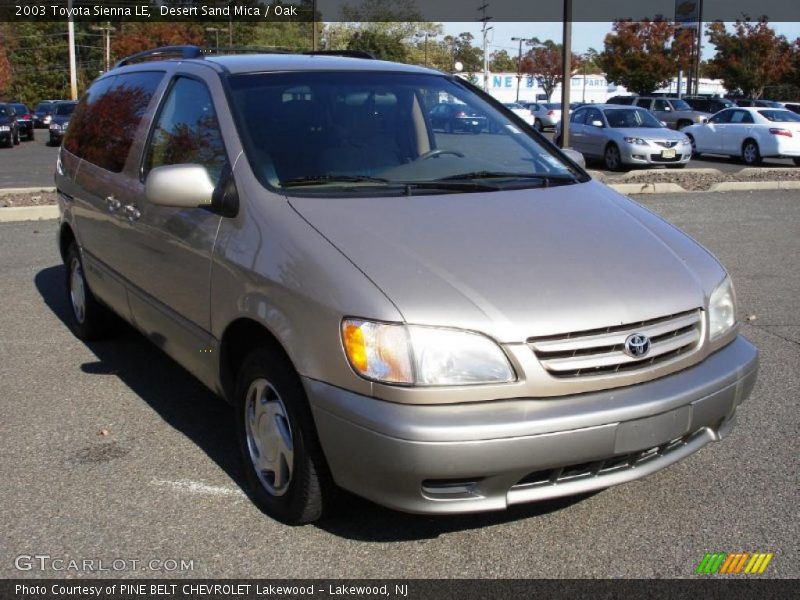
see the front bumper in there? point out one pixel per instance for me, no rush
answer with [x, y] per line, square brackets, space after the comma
[651, 155]
[488, 455]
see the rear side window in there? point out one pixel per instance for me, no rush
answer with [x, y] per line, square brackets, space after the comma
[578, 117]
[104, 125]
[721, 117]
[187, 130]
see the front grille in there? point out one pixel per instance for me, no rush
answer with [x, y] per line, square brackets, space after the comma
[601, 351]
[599, 468]
[659, 158]
[670, 144]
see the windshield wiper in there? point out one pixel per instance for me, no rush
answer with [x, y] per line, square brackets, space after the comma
[323, 179]
[547, 180]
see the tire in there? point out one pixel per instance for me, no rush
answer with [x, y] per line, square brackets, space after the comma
[537, 125]
[448, 127]
[695, 153]
[612, 160]
[273, 419]
[750, 153]
[557, 141]
[88, 318]
[797, 162]
[10, 142]
[16, 138]
[31, 135]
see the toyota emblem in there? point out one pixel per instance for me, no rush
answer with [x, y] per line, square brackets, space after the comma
[637, 345]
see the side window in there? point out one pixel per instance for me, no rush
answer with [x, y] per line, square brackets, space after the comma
[593, 115]
[721, 117]
[102, 130]
[187, 130]
[746, 117]
[578, 117]
[661, 105]
[643, 102]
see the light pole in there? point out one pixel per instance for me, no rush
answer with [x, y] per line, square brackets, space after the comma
[485, 31]
[425, 35]
[107, 35]
[215, 31]
[519, 60]
[566, 75]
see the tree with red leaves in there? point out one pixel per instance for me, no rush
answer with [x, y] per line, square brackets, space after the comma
[750, 57]
[545, 62]
[136, 37]
[645, 55]
[5, 67]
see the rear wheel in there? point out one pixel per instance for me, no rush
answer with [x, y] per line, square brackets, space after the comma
[283, 460]
[612, 158]
[537, 125]
[797, 161]
[88, 318]
[750, 153]
[695, 153]
[16, 138]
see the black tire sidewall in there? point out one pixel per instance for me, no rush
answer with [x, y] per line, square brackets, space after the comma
[757, 158]
[97, 320]
[310, 484]
[605, 160]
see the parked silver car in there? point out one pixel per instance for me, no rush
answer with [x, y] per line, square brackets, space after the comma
[625, 135]
[545, 114]
[440, 323]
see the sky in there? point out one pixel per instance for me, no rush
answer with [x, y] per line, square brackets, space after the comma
[584, 35]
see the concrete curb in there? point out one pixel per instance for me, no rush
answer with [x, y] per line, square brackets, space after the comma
[29, 190]
[11, 214]
[647, 188]
[740, 186]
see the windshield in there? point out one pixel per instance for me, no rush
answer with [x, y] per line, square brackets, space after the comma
[625, 118]
[44, 107]
[780, 116]
[680, 105]
[20, 108]
[63, 110]
[403, 132]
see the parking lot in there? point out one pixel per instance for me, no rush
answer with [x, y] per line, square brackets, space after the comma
[31, 164]
[112, 451]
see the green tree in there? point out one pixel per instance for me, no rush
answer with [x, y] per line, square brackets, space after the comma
[501, 62]
[750, 57]
[641, 55]
[382, 45]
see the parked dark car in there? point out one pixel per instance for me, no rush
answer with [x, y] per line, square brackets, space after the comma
[456, 117]
[24, 120]
[58, 125]
[623, 100]
[709, 105]
[9, 128]
[758, 103]
[43, 113]
[793, 106]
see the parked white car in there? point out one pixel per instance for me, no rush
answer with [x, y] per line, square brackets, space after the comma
[752, 133]
[520, 111]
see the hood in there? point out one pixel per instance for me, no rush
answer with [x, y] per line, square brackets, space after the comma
[650, 133]
[521, 263]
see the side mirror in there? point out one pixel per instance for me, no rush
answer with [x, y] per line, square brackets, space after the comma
[704, 121]
[575, 156]
[179, 186]
[597, 124]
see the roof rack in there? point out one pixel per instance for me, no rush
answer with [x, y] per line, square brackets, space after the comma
[189, 52]
[347, 53]
[184, 52]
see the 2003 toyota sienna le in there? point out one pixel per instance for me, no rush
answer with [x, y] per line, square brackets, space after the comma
[438, 321]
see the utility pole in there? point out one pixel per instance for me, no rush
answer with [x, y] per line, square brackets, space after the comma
[485, 30]
[425, 35]
[314, 40]
[107, 37]
[215, 31]
[519, 60]
[699, 47]
[566, 75]
[73, 68]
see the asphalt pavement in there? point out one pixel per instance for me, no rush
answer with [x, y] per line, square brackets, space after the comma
[111, 451]
[31, 164]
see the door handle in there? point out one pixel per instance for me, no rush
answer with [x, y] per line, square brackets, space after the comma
[132, 213]
[113, 204]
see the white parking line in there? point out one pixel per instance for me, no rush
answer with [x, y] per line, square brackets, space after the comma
[197, 487]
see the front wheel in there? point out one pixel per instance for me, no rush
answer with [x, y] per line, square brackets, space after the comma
[797, 162]
[612, 158]
[537, 125]
[16, 139]
[283, 460]
[750, 153]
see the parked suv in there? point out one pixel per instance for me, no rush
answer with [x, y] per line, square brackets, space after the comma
[62, 112]
[24, 120]
[44, 113]
[676, 113]
[440, 323]
[708, 105]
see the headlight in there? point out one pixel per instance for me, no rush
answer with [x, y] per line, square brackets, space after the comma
[686, 140]
[415, 355]
[635, 140]
[5, 128]
[55, 126]
[721, 309]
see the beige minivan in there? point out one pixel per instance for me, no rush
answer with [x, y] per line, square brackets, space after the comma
[439, 321]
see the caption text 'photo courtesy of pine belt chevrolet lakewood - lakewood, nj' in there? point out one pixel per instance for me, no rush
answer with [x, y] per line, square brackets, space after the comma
[439, 321]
